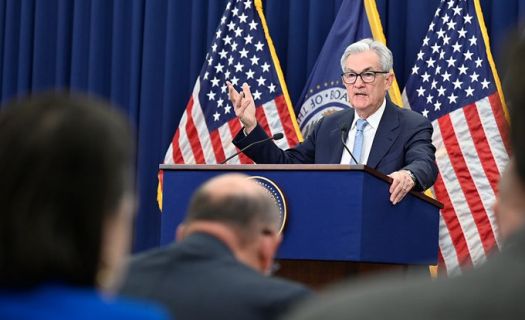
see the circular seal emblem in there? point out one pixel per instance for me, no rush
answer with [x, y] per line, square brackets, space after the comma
[277, 197]
[321, 104]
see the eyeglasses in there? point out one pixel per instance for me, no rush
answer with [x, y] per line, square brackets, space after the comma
[366, 76]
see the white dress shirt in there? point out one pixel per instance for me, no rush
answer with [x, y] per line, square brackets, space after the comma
[368, 135]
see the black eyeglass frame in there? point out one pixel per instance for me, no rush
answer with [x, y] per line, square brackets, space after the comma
[360, 75]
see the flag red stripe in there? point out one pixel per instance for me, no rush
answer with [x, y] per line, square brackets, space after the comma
[193, 135]
[497, 110]
[482, 146]
[467, 185]
[286, 122]
[235, 127]
[261, 119]
[176, 152]
[217, 146]
[448, 213]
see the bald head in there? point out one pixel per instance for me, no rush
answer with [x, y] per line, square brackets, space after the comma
[234, 200]
[510, 203]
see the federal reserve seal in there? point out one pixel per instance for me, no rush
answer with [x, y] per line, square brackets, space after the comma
[277, 197]
[321, 104]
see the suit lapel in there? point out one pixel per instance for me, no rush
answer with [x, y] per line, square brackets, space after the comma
[387, 133]
[346, 119]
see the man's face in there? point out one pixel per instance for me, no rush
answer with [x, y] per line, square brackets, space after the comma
[366, 98]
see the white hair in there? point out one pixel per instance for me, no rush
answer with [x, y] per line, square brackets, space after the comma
[386, 59]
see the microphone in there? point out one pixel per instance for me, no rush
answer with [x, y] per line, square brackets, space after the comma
[344, 130]
[277, 136]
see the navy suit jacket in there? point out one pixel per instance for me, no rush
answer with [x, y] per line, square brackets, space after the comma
[403, 141]
[199, 278]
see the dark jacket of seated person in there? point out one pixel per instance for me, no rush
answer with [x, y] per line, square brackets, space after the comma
[217, 268]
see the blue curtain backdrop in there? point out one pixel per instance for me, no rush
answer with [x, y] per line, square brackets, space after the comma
[144, 55]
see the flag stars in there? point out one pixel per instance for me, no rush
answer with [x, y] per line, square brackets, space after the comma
[425, 113]
[485, 84]
[215, 82]
[452, 98]
[253, 25]
[261, 81]
[429, 98]
[234, 46]
[425, 41]
[462, 33]
[227, 74]
[230, 60]
[238, 32]
[457, 10]
[216, 116]
[248, 39]
[425, 77]
[463, 69]
[210, 60]
[244, 53]
[266, 67]
[220, 102]
[254, 60]
[227, 39]
[227, 109]
[259, 46]
[257, 95]
[434, 84]
[469, 91]
[450, 3]
[446, 39]
[440, 33]
[468, 55]
[211, 95]
[231, 26]
[451, 25]
[214, 47]
[473, 41]
[218, 68]
[478, 62]
[430, 62]
[445, 18]
[437, 106]
[438, 70]
[206, 74]
[457, 84]
[435, 48]
[235, 80]
[235, 12]
[223, 54]
[451, 61]
[420, 55]
[442, 55]
[431, 27]
[272, 88]
[218, 34]
[238, 67]
[456, 47]
[474, 77]
[468, 18]
[420, 91]
[415, 68]
[242, 18]
[441, 91]
[247, 4]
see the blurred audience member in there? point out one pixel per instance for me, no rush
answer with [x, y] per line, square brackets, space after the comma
[217, 268]
[66, 208]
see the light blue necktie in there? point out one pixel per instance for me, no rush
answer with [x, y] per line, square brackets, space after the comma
[358, 141]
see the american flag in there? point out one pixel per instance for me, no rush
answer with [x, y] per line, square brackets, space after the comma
[241, 51]
[455, 85]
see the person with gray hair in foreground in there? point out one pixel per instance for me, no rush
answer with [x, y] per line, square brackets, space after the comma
[218, 268]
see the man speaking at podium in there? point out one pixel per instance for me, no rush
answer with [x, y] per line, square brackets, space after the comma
[395, 141]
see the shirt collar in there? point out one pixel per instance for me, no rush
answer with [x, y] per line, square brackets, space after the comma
[374, 119]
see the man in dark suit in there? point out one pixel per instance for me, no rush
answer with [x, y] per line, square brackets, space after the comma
[217, 268]
[395, 141]
[494, 291]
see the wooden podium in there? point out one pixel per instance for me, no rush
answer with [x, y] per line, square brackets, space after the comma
[339, 223]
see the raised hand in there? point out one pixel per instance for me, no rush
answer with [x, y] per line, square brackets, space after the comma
[244, 105]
